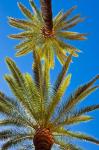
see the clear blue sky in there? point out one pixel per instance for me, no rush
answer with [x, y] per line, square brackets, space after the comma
[83, 68]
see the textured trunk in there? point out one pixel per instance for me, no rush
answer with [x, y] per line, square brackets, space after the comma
[43, 139]
[47, 15]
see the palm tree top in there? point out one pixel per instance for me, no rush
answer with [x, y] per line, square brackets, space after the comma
[37, 108]
[45, 34]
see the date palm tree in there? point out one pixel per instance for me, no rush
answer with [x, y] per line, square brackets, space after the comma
[36, 114]
[45, 34]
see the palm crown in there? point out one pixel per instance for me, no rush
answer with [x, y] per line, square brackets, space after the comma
[37, 109]
[45, 35]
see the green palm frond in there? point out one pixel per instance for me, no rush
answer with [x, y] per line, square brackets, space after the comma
[77, 135]
[46, 87]
[80, 94]
[21, 86]
[61, 76]
[18, 93]
[35, 10]
[13, 110]
[9, 106]
[33, 92]
[35, 38]
[16, 122]
[74, 120]
[58, 95]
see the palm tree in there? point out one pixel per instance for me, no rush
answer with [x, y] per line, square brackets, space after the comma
[41, 33]
[36, 114]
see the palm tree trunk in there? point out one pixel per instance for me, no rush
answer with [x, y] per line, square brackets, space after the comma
[43, 140]
[46, 9]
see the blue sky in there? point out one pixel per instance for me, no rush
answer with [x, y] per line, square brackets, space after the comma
[82, 69]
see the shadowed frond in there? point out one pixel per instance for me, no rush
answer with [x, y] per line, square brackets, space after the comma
[37, 70]
[67, 146]
[5, 134]
[87, 109]
[15, 141]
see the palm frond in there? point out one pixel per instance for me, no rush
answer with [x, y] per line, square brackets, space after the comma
[73, 18]
[74, 120]
[56, 98]
[68, 48]
[22, 35]
[72, 24]
[21, 24]
[49, 54]
[71, 35]
[57, 18]
[69, 23]
[12, 108]
[17, 84]
[79, 94]
[38, 78]
[64, 16]
[34, 96]
[35, 10]
[73, 101]
[8, 106]
[46, 82]
[37, 70]
[61, 54]
[24, 51]
[15, 141]
[5, 134]
[23, 44]
[63, 72]
[17, 121]
[78, 135]
[87, 109]
[19, 93]
[67, 146]
[15, 71]
[25, 11]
